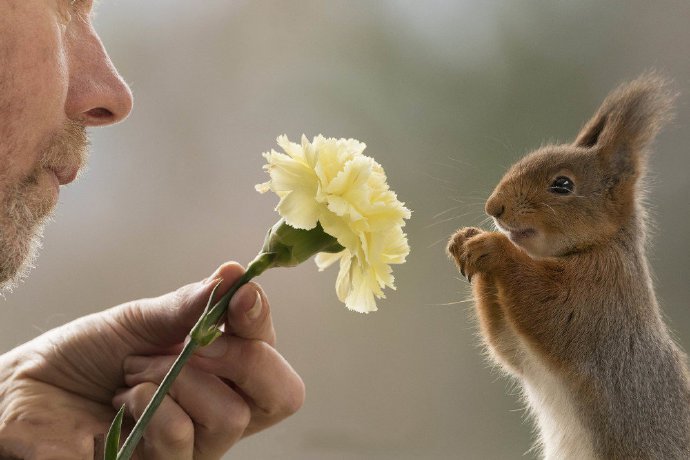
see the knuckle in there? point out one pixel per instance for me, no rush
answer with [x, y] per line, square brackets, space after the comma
[161, 366]
[295, 397]
[232, 426]
[140, 396]
[292, 399]
[156, 369]
[174, 432]
[254, 354]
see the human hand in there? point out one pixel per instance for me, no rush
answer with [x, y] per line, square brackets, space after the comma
[57, 391]
[245, 385]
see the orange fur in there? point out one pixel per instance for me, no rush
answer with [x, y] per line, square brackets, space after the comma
[563, 291]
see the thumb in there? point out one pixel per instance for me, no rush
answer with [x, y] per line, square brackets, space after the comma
[166, 320]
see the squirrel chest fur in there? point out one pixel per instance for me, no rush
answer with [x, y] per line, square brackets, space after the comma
[564, 295]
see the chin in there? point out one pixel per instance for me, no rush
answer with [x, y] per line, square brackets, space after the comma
[535, 246]
[531, 238]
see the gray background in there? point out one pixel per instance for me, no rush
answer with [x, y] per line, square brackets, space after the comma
[445, 94]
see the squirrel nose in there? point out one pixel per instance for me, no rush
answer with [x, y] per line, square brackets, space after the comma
[494, 208]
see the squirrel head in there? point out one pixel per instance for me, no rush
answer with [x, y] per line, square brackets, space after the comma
[566, 198]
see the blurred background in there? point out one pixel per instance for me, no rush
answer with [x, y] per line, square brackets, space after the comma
[446, 94]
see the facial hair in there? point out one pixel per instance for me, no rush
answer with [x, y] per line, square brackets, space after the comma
[25, 207]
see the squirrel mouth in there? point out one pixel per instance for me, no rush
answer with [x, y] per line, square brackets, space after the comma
[518, 234]
[521, 234]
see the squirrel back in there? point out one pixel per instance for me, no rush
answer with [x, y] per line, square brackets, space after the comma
[564, 293]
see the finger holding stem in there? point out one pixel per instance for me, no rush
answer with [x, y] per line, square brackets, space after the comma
[202, 334]
[284, 246]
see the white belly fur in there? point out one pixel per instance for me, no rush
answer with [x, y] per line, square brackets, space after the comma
[563, 435]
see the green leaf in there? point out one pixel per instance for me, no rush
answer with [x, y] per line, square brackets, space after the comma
[112, 441]
[211, 334]
[204, 330]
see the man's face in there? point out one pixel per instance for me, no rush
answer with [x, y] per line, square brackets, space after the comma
[55, 80]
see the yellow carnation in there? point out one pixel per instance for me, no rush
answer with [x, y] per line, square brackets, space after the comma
[329, 181]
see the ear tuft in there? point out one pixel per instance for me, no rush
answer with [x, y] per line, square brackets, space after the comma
[589, 137]
[631, 116]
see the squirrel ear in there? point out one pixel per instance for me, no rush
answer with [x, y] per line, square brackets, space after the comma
[628, 120]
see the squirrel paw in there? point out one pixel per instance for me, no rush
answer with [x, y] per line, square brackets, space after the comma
[456, 245]
[473, 250]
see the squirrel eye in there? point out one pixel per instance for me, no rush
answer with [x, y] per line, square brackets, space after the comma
[562, 185]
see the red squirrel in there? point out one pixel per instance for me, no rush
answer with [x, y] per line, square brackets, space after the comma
[564, 295]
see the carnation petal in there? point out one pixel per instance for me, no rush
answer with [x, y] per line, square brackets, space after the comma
[342, 207]
[263, 188]
[329, 181]
[299, 209]
[343, 284]
[353, 176]
[292, 149]
[361, 295]
[340, 230]
[288, 174]
[326, 259]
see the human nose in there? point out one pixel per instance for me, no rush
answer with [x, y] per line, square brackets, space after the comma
[97, 95]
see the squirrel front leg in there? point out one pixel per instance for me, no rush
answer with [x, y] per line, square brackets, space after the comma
[497, 333]
[530, 293]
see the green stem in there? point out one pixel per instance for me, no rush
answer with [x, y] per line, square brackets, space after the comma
[131, 442]
[256, 267]
[202, 334]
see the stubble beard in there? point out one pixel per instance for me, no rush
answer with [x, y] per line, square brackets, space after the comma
[26, 208]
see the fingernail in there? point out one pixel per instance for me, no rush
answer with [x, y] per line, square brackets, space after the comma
[255, 311]
[215, 349]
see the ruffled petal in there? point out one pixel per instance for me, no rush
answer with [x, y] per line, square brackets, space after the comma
[343, 284]
[360, 298]
[326, 259]
[299, 210]
[331, 182]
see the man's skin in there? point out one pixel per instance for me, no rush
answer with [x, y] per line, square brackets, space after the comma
[59, 392]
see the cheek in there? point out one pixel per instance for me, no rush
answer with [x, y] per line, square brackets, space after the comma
[35, 59]
[33, 87]
[43, 72]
